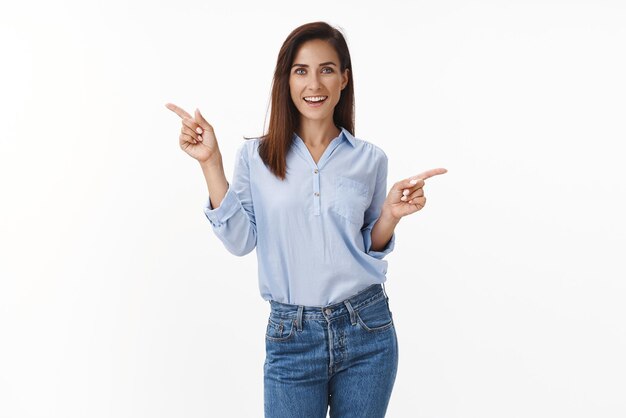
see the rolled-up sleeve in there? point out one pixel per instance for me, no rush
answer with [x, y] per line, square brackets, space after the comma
[233, 221]
[373, 212]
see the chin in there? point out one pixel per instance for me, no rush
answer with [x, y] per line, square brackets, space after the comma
[316, 116]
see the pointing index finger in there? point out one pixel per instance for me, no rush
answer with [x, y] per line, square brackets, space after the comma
[430, 173]
[179, 111]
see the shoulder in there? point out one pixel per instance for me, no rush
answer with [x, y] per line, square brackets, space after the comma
[247, 148]
[370, 150]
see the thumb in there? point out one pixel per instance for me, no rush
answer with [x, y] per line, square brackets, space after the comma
[201, 121]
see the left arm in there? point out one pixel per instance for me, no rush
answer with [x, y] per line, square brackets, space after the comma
[377, 230]
[383, 230]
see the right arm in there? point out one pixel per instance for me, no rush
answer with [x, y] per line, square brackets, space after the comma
[233, 220]
[216, 182]
[229, 207]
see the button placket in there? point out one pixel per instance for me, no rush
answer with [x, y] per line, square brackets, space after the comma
[316, 192]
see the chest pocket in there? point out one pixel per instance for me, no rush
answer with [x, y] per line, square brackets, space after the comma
[351, 199]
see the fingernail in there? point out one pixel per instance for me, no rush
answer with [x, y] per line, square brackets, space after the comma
[405, 192]
[414, 181]
[199, 130]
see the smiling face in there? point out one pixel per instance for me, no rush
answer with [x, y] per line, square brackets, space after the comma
[315, 74]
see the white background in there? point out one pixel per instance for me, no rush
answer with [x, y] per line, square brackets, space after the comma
[508, 288]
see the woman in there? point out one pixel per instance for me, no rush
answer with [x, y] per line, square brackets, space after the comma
[311, 198]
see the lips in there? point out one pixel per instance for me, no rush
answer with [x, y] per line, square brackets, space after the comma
[315, 103]
[321, 96]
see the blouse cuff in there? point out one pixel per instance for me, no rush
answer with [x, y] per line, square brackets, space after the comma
[229, 206]
[367, 242]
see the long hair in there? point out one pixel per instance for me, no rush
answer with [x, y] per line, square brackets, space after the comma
[284, 116]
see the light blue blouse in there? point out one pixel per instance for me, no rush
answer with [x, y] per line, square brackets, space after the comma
[312, 231]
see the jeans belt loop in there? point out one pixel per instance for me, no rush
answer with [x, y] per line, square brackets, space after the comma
[351, 310]
[299, 318]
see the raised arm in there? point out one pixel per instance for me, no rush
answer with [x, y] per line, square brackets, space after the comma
[229, 209]
[234, 220]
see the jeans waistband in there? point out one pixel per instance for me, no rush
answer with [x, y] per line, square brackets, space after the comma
[366, 296]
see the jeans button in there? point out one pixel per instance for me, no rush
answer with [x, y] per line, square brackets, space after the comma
[328, 311]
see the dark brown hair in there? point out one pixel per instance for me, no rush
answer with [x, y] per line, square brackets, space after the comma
[284, 116]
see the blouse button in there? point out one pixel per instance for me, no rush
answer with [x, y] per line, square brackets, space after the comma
[316, 194]
[315, 171]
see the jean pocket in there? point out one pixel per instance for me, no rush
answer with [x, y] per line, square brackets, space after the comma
[351, 199]
[279, 329]
[376, 316]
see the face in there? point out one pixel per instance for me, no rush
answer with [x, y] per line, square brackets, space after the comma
[315, 73]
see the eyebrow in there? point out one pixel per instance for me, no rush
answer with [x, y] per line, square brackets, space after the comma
[305, 65]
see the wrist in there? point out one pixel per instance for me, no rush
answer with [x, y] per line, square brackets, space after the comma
[212, 163]
[386, 216]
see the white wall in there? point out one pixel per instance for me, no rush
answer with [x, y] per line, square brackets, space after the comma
[117, 300]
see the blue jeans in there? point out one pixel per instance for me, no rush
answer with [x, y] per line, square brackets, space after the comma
[343, 355]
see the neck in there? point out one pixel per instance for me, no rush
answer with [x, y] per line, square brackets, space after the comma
[316, 133]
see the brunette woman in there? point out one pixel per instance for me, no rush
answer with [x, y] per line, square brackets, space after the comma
[312, 199]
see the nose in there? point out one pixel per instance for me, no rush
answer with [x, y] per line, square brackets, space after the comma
[314, 83]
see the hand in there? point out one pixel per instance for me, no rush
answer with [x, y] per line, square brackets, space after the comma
[407, 196]
[197, 137]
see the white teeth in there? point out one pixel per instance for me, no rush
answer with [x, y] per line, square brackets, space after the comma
[315, 98]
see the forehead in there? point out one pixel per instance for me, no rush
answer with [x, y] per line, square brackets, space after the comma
[316, 51]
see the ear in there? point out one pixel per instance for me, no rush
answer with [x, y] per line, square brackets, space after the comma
[345, 77]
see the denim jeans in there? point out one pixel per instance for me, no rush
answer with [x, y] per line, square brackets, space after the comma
[343, 355]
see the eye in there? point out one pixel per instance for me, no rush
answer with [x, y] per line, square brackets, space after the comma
[328, 68]
[298, 69]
